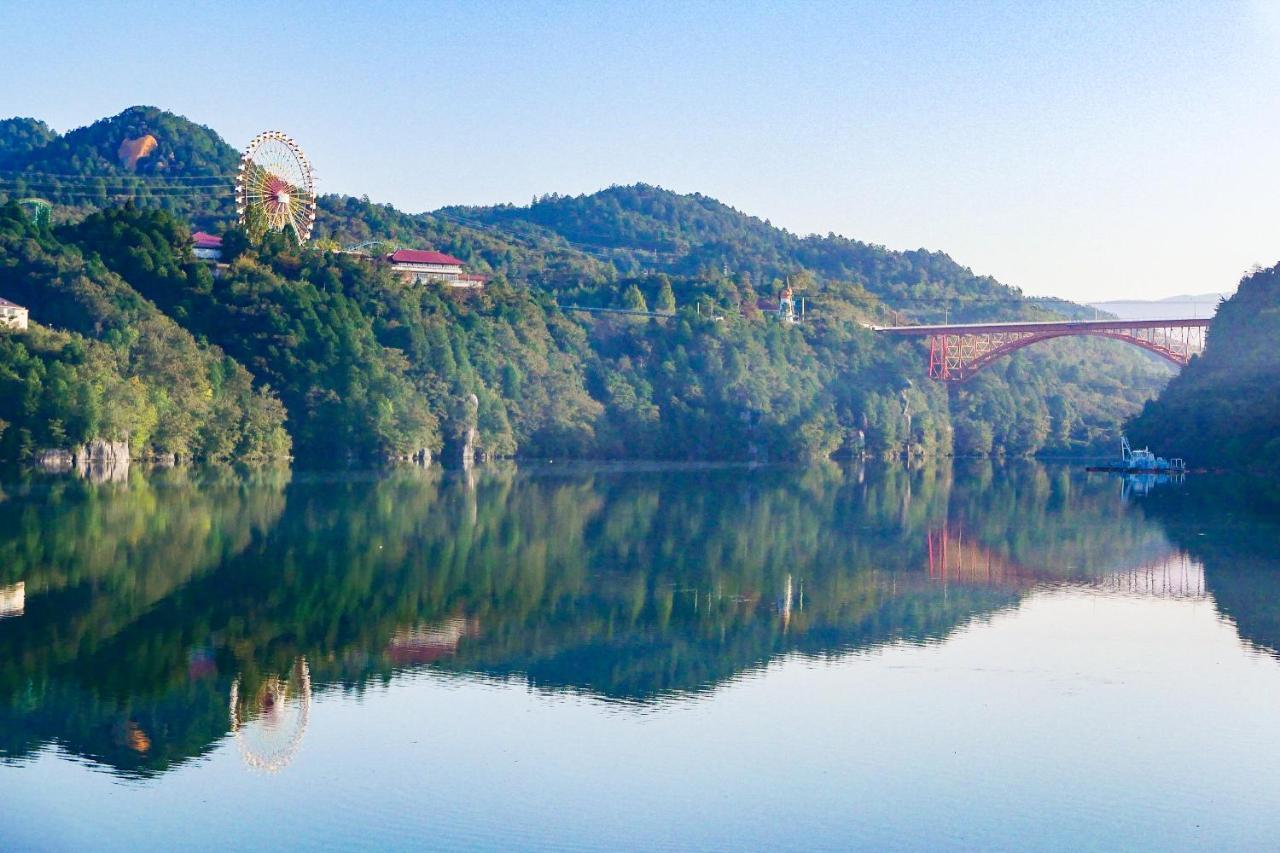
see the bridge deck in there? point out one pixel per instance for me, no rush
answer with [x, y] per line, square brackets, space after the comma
[1044, 326]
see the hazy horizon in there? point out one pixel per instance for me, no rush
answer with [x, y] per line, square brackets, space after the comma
[1091, 151]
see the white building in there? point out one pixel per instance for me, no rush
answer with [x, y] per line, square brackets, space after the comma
[12, 315]
[419, 265]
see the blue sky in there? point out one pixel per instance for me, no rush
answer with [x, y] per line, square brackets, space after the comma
[1086, 150]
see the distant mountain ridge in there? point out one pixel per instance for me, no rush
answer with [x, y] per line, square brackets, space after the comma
[641, 229]
[1170, 307]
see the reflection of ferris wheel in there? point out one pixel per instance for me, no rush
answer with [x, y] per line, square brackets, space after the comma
[270, 727]
[275, 183]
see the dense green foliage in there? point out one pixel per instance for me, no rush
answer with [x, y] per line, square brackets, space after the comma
[345, 394]
[642, 229]
[59, 390]
[1223, 410]
[367, 366]
[545, 263]
[188, 172]
[118, 368]
[19, 137]
[645, 246]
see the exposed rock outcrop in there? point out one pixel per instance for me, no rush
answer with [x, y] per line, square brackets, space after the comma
[56, 460]
[461, 435]
[104, 461]
[420, 457]
[133, 150]
[99, 460]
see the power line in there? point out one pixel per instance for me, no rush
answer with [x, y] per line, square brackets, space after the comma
[86, 185]
[140, 188]
[636, 311]
[21, 173]
[599, 254]
[125, 194]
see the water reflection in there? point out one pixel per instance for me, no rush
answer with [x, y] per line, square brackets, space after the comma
[1153, 570]
[1139, 485]
[13, 599]
[270, 718]
[1231, 526]
[160, 615]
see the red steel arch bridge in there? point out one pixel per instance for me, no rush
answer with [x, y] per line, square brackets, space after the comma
[959, 350]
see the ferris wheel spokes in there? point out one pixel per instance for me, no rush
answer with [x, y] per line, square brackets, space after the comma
[275, 179]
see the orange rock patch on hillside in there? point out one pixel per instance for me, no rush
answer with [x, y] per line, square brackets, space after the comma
[133, 150]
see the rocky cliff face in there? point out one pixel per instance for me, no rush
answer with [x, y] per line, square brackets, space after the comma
[104, 461]
[99, 460]
[56, 460]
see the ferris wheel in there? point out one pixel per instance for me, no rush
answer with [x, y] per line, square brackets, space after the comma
[275, 180]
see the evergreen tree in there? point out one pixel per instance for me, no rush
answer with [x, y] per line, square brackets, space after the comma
[666, 300]
[633, 299]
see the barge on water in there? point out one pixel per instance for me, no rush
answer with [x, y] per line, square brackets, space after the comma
[1141, 462]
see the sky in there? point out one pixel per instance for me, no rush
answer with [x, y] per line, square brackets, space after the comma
[1083, 150]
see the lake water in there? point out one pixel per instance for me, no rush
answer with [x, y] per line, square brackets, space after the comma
[872, 657]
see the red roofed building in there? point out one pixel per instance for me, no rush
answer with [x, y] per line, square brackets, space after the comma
[421, 644]
[421, 265]
[207, 246]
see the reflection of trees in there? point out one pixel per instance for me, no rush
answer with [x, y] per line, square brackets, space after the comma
[1051, 521]
[1232, 526]
[675, 581]
[627, 584]
[93, 558]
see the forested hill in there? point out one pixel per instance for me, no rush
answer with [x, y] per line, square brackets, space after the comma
[144, 154]
[158, 159]
[642, 229]
[367, 366]
[1223, 409]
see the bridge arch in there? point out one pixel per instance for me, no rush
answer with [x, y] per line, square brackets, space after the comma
[958, 351]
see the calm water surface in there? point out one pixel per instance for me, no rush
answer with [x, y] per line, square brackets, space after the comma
[594, 657]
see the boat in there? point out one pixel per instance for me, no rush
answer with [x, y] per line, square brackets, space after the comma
[1141, 462]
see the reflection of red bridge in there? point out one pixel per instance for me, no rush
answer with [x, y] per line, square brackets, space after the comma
[957, 351]
[955, 559]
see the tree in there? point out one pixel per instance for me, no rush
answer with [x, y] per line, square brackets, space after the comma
[666, 300]
[255, 224]
[633, 299]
